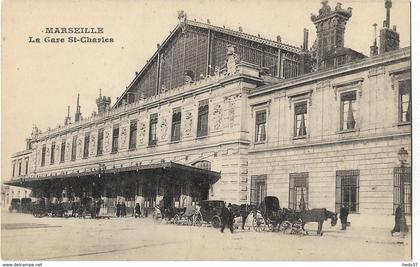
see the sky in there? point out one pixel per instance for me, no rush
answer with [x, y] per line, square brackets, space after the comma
[39, 80]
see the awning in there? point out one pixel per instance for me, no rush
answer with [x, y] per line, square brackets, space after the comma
[209, 175]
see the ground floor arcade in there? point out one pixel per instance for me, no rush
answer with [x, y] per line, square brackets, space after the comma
[174, 184]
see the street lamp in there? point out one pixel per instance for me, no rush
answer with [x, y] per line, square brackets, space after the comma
[402, 157]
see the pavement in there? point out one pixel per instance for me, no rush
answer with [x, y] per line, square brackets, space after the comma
[24, 237]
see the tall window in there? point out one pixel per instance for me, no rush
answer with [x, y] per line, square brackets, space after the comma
[260, 122]
[100, 148]
[115, 137]
[405, 175]
[176, 125]
[298, 191]
[86, 145]
[404, 88]
[203, 114]
[133, 135]
[13, 168]
[63, 151]
[52, 155]
[44, 148]
[152, 129]
[301, 120]
[20, 167]
[258, 188]
[26, 165]
[73, 148]
[348, 110]
[347, 190]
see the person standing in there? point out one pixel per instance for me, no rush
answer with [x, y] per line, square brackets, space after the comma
[344, 213]
[118, 209]
[227, 218]
[123, 210]
[398, 216]
[137, 211]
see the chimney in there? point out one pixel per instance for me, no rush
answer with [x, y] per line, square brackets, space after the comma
[389, 39]
[374, 47]
[103, 102]
[305, 39]
[67, 119]
[78, 114]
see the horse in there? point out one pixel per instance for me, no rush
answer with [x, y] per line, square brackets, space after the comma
[242, 211]
[319, 216]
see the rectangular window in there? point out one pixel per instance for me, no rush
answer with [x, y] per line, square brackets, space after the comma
[152, 129]
[133, 135]
[73, 148]
[176, 124]
[260, 121]
[43, 151]
[348, 111]
[258, 188]
[52, 156]
[404, 88]
[115, 137]
[203, 114]
[63, 151]
[347, 190]
[19, 167]
[301, 119]
[298, 190]
[13, 168]
[26, 165]
[405, 175]
[86, 146]
[100, 149]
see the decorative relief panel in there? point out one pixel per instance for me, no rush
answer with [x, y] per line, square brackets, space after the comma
[188, 123]
[217, 117]
[57, 151]
[123, 136]
[79, 147]
[231, 102]
[68, 150]
[142, 133]
[107, 141]
[164, 128]
[92, 145]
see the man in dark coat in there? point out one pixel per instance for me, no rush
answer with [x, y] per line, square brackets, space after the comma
[398, 216]
[344, 213]
[118, 209]
[137, 211]
[227, 218]
[123, 210]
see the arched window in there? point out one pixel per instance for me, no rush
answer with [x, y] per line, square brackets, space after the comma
[204, 164]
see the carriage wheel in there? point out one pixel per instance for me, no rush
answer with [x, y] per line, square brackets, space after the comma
[215, 222]
[285, 226]
[258, 223]
[197, 219]
[177, 219]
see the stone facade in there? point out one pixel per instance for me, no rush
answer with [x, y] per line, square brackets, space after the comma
[371, 147]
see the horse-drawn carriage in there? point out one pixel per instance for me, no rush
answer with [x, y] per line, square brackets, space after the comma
[211, 212]
[267, 215]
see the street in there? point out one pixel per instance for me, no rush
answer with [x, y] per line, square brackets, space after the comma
[25, 237]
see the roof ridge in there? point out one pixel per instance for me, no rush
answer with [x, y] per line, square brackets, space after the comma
[274, 42]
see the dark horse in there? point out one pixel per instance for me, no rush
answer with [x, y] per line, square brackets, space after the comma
[242, 211]
[319, 216]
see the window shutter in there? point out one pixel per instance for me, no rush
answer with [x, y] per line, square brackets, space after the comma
[291, 192]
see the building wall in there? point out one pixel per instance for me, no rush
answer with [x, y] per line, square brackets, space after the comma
[225, 145]
[371, 147]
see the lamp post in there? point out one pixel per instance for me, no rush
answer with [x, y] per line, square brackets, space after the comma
[402, 157]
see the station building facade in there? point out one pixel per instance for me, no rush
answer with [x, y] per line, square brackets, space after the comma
[220, 114]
